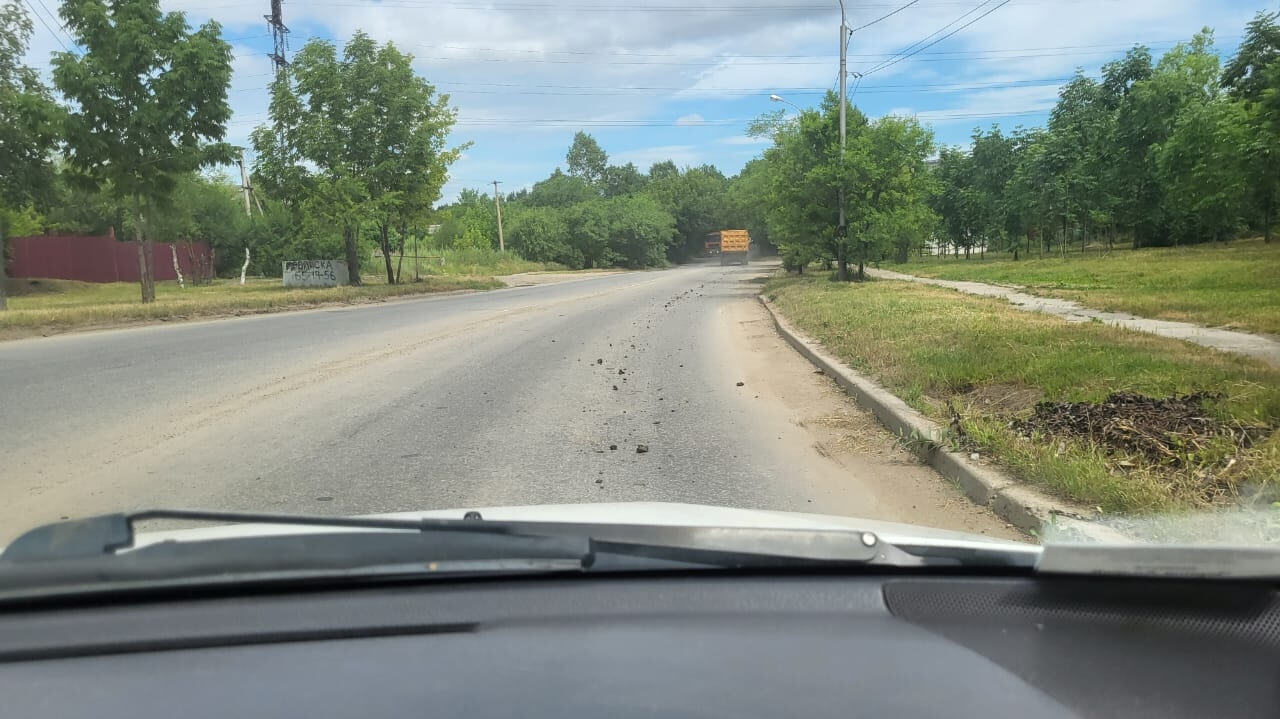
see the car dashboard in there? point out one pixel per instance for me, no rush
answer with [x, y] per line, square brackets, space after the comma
[680, 645]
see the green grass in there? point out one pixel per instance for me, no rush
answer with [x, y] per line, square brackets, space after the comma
[466, 262]
[1235, 285]
[56, 305]
[931, 345]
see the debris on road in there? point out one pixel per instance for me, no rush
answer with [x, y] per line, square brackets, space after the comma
[741, 384]
[599, 360]
[613, 446]
[642, 448]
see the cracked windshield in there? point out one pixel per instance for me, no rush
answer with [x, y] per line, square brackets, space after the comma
[1003, 268]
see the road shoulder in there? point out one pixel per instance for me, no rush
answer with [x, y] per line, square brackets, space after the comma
[853, 465]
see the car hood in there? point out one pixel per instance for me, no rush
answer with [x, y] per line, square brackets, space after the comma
[644, 513]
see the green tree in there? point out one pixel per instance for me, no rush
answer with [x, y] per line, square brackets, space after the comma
[586, 159]
[541, 234]
[619, 180]
[1202, 167]
[888, 187]
[407, 124]
[1253, 77]
[698, 200]
[639, 230]
[805, 184]
[357, 137]
[560, 190]
[26, 135]
[149, 104]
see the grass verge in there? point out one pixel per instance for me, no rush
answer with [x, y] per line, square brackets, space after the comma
[468, 262]
[1236, 285]
[938, 349]
[44, 306]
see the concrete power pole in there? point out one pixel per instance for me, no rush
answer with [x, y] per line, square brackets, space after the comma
[244, 184]
[502, 245]
[843, 56]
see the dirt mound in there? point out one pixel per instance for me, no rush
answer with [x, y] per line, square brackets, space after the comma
[1166, 431]
[21, 287]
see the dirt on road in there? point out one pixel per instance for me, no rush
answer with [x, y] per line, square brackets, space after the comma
[851, 463]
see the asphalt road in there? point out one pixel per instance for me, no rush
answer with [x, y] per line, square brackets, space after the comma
[507, 397]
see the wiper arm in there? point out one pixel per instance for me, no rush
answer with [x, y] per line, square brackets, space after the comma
[717, 546]
[109, 533]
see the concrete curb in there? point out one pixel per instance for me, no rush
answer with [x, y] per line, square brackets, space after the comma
[1023, 507]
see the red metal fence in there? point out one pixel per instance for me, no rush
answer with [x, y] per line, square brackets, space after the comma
[99, 258]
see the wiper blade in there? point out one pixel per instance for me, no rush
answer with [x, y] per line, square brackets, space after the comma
[108, 533]
[100, 553]
[721, 546]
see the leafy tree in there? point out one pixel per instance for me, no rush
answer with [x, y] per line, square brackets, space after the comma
[26, 135]
[407, 125]
[698, 200]
[639, 230]
[661, 170]
[560, 190]
[149, 104]
[806, 180]
[359, 137]
[888, 187]
[541, 234]
[1202, 167]
[586, 159]
[619, 180]
[1253, 77]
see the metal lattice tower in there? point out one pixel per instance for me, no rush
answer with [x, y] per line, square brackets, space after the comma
[279, 36]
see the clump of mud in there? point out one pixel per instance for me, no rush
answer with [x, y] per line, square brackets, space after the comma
[1167, 431]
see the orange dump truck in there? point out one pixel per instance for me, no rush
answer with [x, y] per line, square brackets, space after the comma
[734, 246]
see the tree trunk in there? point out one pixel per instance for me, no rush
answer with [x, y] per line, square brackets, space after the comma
[385, 242]
[349, 237]
[400, 263]
[900, 254]
[173, 252]
[146, 278]
[1266, 229]
[842, 263]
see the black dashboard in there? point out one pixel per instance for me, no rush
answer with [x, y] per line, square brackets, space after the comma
[660, 645]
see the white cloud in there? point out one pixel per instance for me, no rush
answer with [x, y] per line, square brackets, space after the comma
[690, 119]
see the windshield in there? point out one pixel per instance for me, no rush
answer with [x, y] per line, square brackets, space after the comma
[992, 268]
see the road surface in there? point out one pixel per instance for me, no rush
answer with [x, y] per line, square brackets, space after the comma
[515, 396]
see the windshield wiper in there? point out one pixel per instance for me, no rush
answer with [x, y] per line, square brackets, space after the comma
[101, 553]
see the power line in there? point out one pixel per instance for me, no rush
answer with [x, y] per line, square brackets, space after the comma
[716, 60]
[891, 63]
[886, 16]
[44, 22]
[596, 90]
[526, 6]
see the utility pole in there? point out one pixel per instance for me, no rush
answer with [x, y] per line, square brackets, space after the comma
[502, 246]
[244, 184]
[842, 229]
[843, 57]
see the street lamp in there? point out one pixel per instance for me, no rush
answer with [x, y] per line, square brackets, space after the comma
[777, 98]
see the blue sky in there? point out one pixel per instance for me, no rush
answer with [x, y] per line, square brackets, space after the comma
[662, 79]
